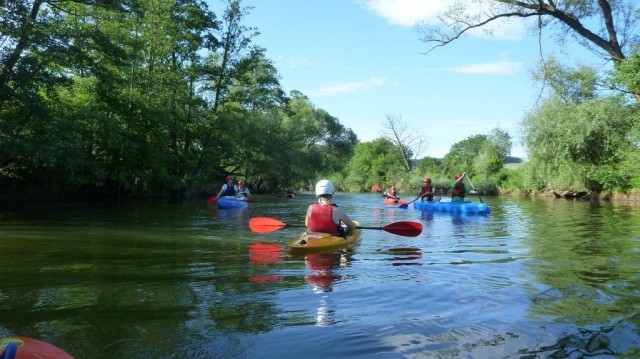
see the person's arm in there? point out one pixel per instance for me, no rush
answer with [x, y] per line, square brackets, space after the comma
[224, 187]
[464, 174]
[345, 219]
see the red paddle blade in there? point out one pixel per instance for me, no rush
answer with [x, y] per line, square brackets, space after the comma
[212, 200]
[265, 224]
[404, 228]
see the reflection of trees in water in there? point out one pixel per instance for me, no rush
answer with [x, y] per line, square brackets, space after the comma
[584, 261]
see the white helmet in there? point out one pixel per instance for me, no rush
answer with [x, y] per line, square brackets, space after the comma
[324, 187]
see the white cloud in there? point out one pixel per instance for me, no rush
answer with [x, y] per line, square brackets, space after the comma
[504, 67]
[407, 12]
[410, 12]
[337, 88]
[496, 68]
[292, 62]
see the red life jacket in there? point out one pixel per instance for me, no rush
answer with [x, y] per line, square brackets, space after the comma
[426, 192]
[458, 190]
[321, 219]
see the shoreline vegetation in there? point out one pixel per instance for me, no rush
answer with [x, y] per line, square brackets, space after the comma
[91, 110]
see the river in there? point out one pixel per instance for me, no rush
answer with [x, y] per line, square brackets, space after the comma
[159, 279]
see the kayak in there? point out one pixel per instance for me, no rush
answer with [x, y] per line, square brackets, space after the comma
[29, 348]
[231, 202]
[394, 201]
[453, 207]
[323, 241]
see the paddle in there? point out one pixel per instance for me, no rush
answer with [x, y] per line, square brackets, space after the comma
[402, 228]
[478, 193]
[406, 205]
[212, 200]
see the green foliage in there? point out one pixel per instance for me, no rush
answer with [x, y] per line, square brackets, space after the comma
[429, 166]
[153, 98]
[463, 154]
[571, 85]
[577, 146]
[511, 180]
[626, 72]
[373, 162]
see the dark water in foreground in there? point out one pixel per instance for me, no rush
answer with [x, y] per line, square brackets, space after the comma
[535, 279]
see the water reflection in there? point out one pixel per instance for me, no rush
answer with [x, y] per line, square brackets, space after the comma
[535, 279]
[263, 256]
[321, 277]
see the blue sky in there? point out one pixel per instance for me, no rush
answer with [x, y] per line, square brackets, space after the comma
[362, 60]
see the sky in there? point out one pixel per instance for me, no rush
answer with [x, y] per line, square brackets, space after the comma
[362, 61]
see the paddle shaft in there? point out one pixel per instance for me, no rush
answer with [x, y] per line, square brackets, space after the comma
[406, 205]
[474, 188]
[358, 227]
[402, 228]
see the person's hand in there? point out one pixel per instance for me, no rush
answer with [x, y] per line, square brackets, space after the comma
[473, 191]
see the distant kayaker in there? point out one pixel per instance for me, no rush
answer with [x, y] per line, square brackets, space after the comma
[228, 189]
[243, 192]
[391, 193]
[289, 193]
[324, 216]
[426, 192]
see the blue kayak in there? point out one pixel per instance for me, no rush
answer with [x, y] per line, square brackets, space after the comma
[231, 202]
[453, 207]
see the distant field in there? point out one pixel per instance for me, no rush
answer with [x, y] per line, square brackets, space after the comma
[512, 166]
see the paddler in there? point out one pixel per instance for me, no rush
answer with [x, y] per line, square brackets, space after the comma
[324, 216]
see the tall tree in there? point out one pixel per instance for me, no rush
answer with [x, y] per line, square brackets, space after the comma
[608, 28]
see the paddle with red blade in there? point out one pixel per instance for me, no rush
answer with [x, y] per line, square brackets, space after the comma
[212, 200]
[402, 228]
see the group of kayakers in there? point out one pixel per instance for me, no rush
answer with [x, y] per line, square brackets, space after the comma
[458, 190]
[326, 217]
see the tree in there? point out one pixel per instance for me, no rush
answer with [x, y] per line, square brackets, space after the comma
[463, 154]
[569, 84]
[492, 154]
[607, 28]
[408, 143]
[578, 146]
[373, 162]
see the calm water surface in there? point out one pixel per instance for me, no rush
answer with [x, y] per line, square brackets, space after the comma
[534, 279]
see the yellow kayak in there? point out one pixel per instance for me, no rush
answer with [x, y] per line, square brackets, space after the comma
[321, 241]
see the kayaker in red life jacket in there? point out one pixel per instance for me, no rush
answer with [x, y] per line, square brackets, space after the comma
[228, 189]
[325, 216]
[426, 192]
[458, 189]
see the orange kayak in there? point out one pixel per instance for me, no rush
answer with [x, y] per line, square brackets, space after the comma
[389, 200]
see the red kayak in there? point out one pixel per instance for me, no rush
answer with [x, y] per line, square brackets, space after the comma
[29, 348]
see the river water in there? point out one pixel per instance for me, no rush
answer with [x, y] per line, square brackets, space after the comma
[154, 279]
